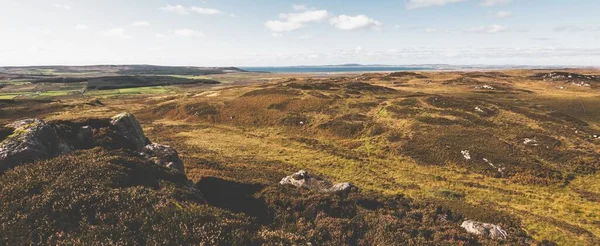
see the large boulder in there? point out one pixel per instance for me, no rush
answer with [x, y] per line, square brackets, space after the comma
[302, 179]
[31, 140]
[129, 127]
[163, 155]
[485, 229]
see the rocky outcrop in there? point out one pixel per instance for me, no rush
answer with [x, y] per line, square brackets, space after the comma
[163, 155]
[31, 140]
[128, 126]
[302, 179]
[485, 229]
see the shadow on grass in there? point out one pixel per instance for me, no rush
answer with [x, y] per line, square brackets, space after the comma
[234, 196]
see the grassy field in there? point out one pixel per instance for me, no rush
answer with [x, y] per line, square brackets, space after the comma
[131, 91]
[531, 151]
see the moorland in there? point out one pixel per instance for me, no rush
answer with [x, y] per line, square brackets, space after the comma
[427, 150]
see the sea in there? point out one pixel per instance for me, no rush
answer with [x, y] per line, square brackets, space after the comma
[334, 69]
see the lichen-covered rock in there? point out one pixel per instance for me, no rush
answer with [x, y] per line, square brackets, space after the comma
[31, 140]
[129, 127]
[302, 179]
[163, 155]
[485, 229]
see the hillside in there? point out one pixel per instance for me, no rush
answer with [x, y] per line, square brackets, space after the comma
[426, 151]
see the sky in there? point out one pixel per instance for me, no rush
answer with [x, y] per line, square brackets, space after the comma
[299, 32]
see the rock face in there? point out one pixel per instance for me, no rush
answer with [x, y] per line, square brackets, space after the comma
[31, 140]
[484, 229]
[128, 126]
[302, 179]
[163, 155]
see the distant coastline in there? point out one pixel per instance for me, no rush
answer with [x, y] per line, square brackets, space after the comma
[333, 69]
[357, 68]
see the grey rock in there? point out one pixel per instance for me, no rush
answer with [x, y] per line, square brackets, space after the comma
[31, 140]
[485, 229]
[163, 155]
[302, 179]
[129, 127]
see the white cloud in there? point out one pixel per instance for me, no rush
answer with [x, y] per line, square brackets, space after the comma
[296, 20]
[488, 29]
[491, 3]
[283, 26]
[188, 33]
[81, 27]
[415, 4]
[205, 11]
[140, 24]
[299, 7]
[430, 30]
[345, 22]
[47, 31]
[116, 32]
[503, 14]
[276, 35]
[305, 17]
[62, 6]
[179, 9]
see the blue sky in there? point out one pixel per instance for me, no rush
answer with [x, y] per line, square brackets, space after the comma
[280, 33]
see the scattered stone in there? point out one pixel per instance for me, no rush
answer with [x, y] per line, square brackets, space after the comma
[484, 229]
[163, 155]
[302, 179]
[581, 83]
[530, 141]
[500, 169]
[31, 140]
[130, 129]
[466, 154]
[478, 109]
[484, 87]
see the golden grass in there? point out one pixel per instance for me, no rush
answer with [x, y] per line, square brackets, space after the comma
[397, 175]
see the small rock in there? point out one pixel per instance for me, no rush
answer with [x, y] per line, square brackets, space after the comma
[530, 141]
[466, 154]
[163, 155]
[484, 87]
[340, 188]
[302, 179]
[484, 229]
[130, 129]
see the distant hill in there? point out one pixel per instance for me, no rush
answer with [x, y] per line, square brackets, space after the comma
[119, 69]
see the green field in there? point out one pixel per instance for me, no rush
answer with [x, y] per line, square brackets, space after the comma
[131, 91]
[7, 96]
